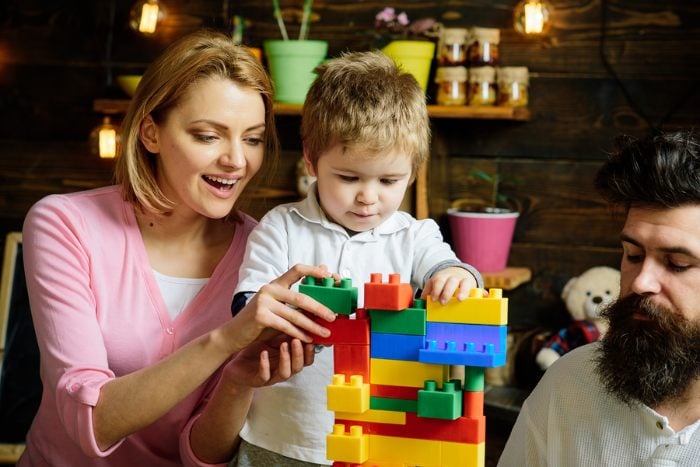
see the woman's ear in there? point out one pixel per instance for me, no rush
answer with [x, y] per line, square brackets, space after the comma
[148, 134]
[309, 165]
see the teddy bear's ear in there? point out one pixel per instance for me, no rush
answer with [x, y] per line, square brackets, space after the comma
[567, 288]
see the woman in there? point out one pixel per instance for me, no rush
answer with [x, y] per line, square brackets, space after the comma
[130, 285]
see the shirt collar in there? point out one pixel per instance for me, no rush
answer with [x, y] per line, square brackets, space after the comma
[310, 210]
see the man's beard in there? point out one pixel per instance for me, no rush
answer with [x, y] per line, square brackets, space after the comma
[652, 360]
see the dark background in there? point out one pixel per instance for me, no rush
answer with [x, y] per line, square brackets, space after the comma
[605, 68]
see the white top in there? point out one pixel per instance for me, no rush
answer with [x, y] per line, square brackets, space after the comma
[291, 418]
[178, 292]
[570, 420]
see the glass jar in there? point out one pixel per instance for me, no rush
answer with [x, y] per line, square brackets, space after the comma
[451, 85]
[512, 86]
[452, 49]
[483, 46]
[482, 85]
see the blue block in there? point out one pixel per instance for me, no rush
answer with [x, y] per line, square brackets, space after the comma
[466, 354]
[395, 346]
[477, 334]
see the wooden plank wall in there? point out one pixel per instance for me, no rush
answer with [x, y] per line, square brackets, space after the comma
[53, 64]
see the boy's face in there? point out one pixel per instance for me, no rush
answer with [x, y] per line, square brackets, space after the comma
[358, 190]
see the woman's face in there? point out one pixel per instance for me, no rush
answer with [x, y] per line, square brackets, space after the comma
[209, 146]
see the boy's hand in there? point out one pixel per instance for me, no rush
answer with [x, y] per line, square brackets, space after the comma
[444, 283]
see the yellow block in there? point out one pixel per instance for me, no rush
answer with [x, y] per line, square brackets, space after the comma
[347, 447]
[475, 309]
[375, 416]
[412, 451]
[348, 397]
[405, 373]
[463, 454]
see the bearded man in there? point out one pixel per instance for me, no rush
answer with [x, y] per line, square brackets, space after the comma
[633, 399]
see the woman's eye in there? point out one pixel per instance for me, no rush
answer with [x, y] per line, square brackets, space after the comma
[677, 267]
[634, 258]
[205, 138]
[255, 141]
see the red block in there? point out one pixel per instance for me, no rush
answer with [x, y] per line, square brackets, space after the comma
[344, 330]
[394, 392]
[462, 430]
[387, 296]
[473, 404]
[350, 359]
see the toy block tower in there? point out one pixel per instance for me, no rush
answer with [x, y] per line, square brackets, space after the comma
[393, 400]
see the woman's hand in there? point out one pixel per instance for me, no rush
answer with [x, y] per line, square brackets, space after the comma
[276, 308]
[267, 362]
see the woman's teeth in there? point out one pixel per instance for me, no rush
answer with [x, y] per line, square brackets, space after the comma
[221, 183]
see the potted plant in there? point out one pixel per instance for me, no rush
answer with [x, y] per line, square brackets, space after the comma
[482, 229]
[292, 62]
[407, 43]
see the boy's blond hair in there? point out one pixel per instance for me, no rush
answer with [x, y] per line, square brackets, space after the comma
[364, 101]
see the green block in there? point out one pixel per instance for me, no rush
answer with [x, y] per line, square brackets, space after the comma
[394, 405]
[445, 403]
[341, 299]
[409, 321]
[473, 378]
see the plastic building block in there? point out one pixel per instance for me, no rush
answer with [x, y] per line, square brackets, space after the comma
[373, 417]
[472, 404]
[465, 354]
[408, 321]
[479, 334]
[392, 295]
[463, 454]
[350, 359]
[395, 405]
[473, 379]
[347, 447]
[344, 330]
[461, 430]
[394, 392]
[409, 450]
[350, 396]
[401, 373]
[445, 403]
[341, 299]
[475, 309]
[395, 346]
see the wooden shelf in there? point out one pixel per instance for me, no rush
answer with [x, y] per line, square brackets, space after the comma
[507, 279]
[119, 106]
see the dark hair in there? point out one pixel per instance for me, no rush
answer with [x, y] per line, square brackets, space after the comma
[658, 171]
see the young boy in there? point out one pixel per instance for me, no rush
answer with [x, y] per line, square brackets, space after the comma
[365, 132]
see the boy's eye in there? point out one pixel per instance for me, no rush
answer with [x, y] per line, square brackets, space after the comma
[347, 178]
[634, 258]
[388, 181]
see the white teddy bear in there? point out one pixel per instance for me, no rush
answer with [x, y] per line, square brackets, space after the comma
[584, 296]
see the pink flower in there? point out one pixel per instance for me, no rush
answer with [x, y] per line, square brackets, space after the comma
[403, 19]
[387, 15]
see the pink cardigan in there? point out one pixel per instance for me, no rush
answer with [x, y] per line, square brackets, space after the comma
[98, 314]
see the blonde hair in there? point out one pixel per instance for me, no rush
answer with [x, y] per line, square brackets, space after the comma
[200, 55]
[363, 100]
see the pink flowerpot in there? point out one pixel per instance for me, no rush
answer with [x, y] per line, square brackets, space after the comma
[482, 239]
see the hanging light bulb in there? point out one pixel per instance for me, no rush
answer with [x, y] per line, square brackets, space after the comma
[145, 16]
[104, 139]
[532, 17]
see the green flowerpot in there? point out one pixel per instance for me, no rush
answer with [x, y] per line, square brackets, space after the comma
[291, 64]
[414, 57]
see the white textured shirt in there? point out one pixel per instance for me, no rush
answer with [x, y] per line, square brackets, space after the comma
[571, 420]
[291, 418]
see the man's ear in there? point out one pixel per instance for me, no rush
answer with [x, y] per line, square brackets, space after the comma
[148, 134]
